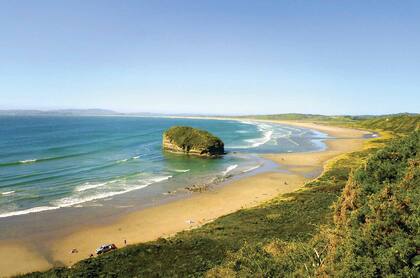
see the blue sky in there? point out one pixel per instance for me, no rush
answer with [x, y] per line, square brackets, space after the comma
[216, 57]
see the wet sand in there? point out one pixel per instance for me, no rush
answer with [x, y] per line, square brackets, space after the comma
[167, 219]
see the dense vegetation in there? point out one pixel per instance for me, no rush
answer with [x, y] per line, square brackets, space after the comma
[189, 139]
[377, 217]
[361, 218]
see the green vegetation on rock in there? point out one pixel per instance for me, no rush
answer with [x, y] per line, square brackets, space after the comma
[190, 140]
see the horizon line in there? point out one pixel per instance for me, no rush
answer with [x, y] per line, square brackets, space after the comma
[109, 112]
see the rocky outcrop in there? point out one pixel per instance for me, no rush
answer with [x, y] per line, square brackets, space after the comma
[188, 140]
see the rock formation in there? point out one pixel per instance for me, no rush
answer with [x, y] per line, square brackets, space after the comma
[188, 140]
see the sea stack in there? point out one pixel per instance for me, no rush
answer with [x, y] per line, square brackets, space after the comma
[192, 141]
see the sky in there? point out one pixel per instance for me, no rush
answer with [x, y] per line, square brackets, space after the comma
[211, 57]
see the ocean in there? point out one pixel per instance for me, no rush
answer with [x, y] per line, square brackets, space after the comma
[48, 163]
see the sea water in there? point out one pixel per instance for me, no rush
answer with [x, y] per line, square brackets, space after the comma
[48, 163]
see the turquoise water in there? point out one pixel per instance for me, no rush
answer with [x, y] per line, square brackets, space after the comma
[47, 163]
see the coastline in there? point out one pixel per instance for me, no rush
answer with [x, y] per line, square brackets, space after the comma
[167, 219]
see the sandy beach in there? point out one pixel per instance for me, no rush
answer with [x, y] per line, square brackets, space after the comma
[167, 219]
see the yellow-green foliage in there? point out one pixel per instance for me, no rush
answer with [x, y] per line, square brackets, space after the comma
[377, 217]
[395, 123]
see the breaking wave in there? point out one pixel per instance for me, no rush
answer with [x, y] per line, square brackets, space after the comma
[81, 196]
[88, 186]
[128, 159]
[267, 135]
[27, 211]
[251, 169]
[182, 170]
[229, 169]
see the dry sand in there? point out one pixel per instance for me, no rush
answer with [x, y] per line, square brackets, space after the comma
[168, 219]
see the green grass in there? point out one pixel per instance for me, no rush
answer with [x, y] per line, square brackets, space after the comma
[402, 124]
[195, 252]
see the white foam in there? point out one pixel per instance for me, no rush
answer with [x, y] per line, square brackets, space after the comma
[127, 159]
[261, 141]
[77, 200]
[72, 201]
[267, 131]
[27, 161]
[159, 179]
[248, 122]
[27, 211]
[229, 169]
[88, 186]
[182, 170]
[8, 192]
[251, 169]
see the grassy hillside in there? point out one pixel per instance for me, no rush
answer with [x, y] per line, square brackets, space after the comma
[302, 117]
[375, 229]
[377, 218]
[399, 123]
[360, 218]
[396, 123]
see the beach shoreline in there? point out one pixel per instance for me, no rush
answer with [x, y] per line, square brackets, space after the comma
[167, 219]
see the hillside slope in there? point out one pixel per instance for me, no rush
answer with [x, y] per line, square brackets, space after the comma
[374, 233]
[359, 219]
[398, 123]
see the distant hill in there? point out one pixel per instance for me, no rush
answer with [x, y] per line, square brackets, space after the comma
[60, 112]
[397, 123]
[81, 112]
[401, 123]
